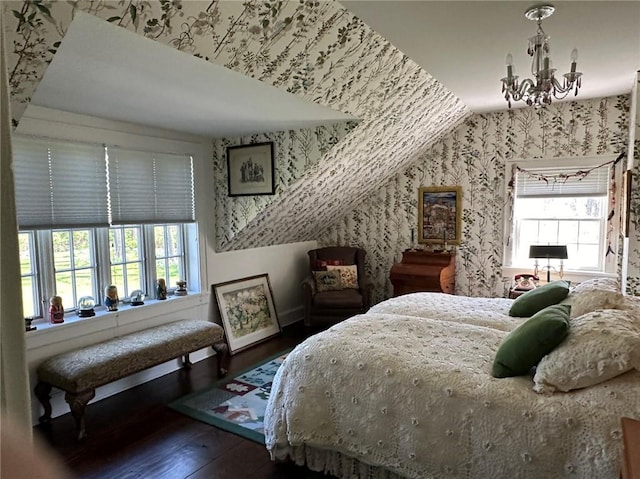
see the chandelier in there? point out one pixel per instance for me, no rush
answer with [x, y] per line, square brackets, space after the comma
[544, 85]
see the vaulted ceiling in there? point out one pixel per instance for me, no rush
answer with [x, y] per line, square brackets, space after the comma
[462, 44]
[315, 50]
[170, 65]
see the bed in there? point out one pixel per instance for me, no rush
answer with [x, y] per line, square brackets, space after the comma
[406, 390]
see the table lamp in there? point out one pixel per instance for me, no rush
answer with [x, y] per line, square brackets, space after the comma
[550, 252]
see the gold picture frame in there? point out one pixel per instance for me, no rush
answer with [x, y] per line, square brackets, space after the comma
[440, 215]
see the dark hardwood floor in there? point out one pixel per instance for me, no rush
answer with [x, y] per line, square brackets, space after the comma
[135, 435]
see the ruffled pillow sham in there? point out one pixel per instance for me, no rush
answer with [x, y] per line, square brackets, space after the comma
[594, 294]
[601, 345]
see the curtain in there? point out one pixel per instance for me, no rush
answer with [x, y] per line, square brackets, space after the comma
[14, 381]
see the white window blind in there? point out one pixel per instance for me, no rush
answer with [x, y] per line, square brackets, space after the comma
[150, 187]
[529, 183]
[59, 184]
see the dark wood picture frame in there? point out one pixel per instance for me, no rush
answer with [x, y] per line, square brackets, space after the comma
[440, 215]
[627, 182]
[251, 169]
[247, 311]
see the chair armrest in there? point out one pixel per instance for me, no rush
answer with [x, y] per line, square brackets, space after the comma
[366, 289]
[309, 287]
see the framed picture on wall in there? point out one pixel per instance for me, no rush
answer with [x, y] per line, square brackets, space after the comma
[250, 169]
[627, 178]
[247, 311]
[440, 214]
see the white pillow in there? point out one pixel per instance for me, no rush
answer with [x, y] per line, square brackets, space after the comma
[594, 294]
[601, 345]
[632, 304]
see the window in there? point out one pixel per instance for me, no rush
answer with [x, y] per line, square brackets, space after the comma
[126, 258]
[73, 264]
[561, 206]
[169, 248]
[94, 215]
[30, 294]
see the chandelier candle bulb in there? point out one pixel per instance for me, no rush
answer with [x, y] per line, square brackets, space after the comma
[574, 58]
[509, 65]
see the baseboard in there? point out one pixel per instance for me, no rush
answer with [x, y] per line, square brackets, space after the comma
[291, 316]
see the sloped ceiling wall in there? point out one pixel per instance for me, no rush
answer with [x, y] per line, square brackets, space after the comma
[316, 50]
[296, 151]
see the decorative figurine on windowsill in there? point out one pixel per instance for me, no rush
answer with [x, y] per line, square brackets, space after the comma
[182, 288]
[111, 298]
[27, 324]
[161, 290]
[56, 310]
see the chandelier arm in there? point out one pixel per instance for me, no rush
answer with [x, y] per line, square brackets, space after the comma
[562, 88]
[522, 90]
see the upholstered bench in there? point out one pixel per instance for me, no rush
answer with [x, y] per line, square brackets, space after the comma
[79, 372]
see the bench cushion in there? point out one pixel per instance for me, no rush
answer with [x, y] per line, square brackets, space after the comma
[99, 364]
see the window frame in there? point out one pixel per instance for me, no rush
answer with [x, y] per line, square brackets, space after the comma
[125, 289]
[51, 272]
[182, 240]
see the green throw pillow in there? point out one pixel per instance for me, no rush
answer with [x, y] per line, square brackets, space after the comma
[525, 346]
[537, 299]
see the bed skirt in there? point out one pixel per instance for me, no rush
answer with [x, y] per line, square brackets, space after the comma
[331, 462]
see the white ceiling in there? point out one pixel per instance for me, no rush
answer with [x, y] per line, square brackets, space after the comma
[463, 44]
[108, 72]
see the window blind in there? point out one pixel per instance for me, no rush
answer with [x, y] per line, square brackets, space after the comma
[59, 184]
[149, 187]
[529, 184]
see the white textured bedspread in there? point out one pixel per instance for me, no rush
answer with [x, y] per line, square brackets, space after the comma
[490, 312]
[414, 395]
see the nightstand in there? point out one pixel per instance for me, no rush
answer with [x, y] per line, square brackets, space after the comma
[514, 293]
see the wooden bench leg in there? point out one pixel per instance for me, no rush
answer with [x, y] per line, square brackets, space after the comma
[42, 392]
[222, 357]
[186, 362]
[77, 404]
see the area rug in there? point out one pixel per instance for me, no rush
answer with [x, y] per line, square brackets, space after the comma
[237, 404]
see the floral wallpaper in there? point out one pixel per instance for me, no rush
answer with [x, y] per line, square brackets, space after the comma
[633, 254]
[314, 49]
[474, 156]
[412, 131]
[294, 152]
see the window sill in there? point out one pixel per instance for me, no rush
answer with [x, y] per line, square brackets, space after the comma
[121, 321]
[509, 272]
